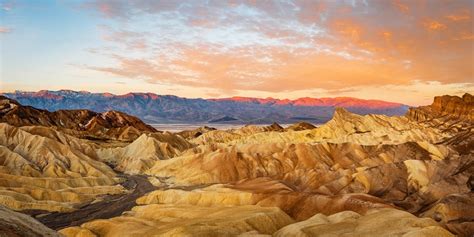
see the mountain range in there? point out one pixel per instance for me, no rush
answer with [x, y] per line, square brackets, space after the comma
[153, 108]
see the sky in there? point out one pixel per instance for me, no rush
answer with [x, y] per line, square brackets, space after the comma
[394, 50]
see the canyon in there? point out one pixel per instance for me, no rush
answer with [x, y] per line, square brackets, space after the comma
[70, 166]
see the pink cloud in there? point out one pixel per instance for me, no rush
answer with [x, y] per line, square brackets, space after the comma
[4, 30]
[277, 47]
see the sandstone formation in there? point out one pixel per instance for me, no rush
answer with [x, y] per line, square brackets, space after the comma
[451, 115]
[300, 126]
[343, 127]
[444, 108]
[411, 175]
[144, 152]
[38, 172]
[222, 136]
[189, 134]
[266, 193]
[107, 125]
[184, 220]
[222, 163]
[244, 220]
[381, 222]
[455, 211]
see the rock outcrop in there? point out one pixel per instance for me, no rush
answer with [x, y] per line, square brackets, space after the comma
[184, 220]
[444, 108]
[265, 193]
[410, 175]
[455, 211]
[223, 136]
[343, 127]
[107, 125]
[13, 224]
[382, 222]
[144, 152]
[38, 172]
[452, 116]
[190, 134]
[300, 126]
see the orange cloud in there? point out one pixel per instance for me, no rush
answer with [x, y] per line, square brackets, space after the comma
[400, 6]
[348, 29]
[387, 35]
[461, 16]
[4, 29]
[274, 51]
[464, 36]
[434, 25]
[242, 70]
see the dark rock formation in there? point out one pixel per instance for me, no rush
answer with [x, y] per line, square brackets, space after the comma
[14, 224]
[300, 126]
[110, 124]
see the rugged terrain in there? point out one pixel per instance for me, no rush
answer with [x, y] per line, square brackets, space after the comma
[83, 123]
[356, 175]
[155, 108]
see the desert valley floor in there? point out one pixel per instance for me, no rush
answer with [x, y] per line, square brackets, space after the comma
[82, 173]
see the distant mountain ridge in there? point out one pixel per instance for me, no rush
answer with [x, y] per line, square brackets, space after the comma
[307, 101]
[155, 108]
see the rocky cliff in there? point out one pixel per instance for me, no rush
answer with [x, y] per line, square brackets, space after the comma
[445, 107]
[110, 124]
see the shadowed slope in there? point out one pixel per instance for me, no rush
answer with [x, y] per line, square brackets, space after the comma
[14, 224]
[111, 124]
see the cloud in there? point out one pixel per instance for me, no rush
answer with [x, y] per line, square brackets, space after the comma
[434, 25]
[401, 6]
[7, 5]
[283, 46]
[469, 36]
[462, 15]
[4, 30]
[108, 8]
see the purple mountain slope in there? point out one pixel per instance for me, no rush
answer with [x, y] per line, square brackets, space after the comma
[155, 108]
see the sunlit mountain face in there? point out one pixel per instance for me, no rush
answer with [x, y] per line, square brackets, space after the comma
[155, 108]
[402, 51]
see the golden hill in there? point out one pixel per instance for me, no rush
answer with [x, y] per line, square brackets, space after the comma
[38, 172]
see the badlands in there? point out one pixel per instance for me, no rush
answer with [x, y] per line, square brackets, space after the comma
[80, 173]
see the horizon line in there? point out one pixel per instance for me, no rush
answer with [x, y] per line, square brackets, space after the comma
[206, 98]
